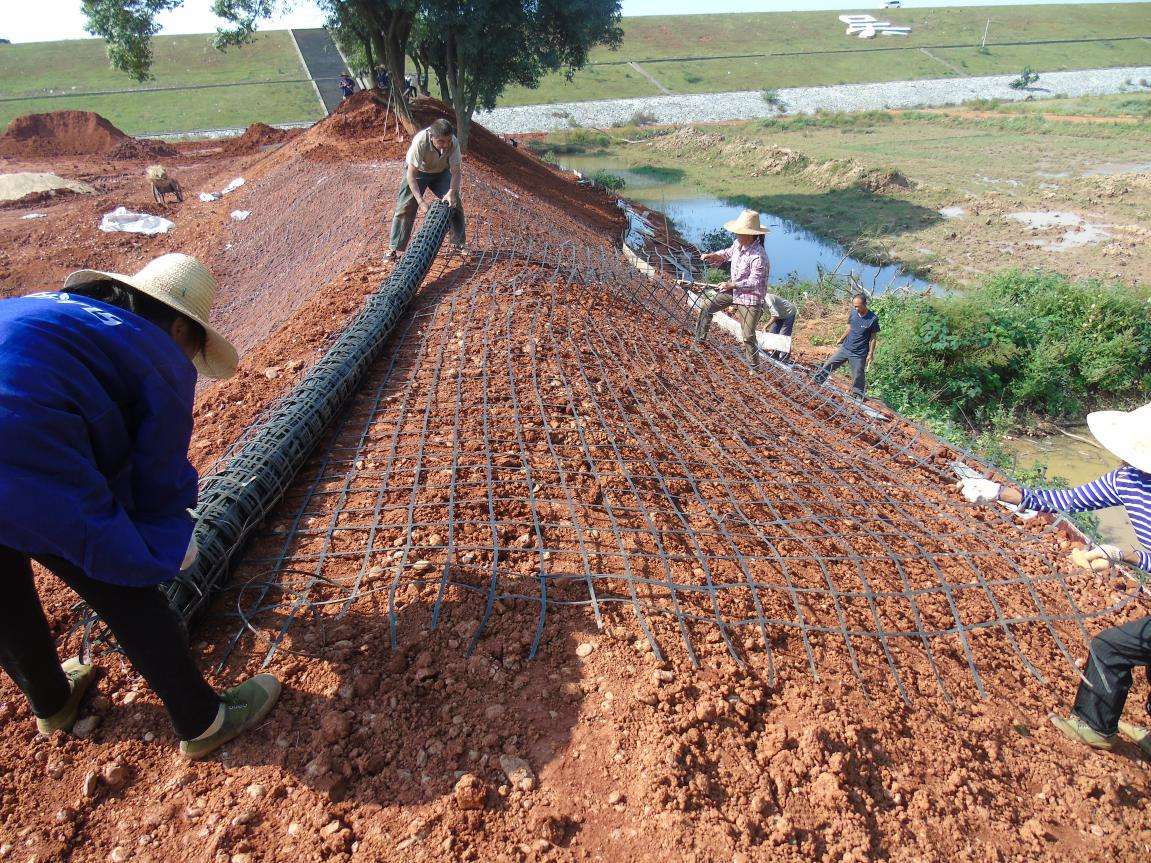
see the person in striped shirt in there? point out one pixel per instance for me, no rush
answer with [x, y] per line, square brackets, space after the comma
[1095, 717]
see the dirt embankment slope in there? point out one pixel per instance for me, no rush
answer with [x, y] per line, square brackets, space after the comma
[540, 377]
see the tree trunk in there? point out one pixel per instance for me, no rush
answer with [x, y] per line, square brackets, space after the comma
[457, 89]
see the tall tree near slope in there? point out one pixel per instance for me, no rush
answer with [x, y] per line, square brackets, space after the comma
[127, 26]
[478, 48]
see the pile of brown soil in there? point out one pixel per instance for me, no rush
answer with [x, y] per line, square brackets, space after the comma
[255, 138]
[74, 133]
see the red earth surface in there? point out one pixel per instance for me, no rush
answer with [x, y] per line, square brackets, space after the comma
[544, 353]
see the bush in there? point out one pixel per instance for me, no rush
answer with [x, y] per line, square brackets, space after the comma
[572, 141]
[643, 118]
[715, 240]
[1018, 346]
[692, 78]
[1026, 79]
[772, 98]
[608, 180]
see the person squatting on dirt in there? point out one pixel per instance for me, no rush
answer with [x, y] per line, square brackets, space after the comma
[1095, 717]
[346, 84]
[856, 346]
[163, 184]
[96, 393]
[782, 321]
[747, 285]
[433, 162]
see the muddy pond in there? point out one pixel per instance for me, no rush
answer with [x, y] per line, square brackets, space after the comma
[794, 252]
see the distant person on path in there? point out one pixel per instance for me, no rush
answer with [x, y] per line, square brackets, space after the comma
[347, 85]
[782, 321]
[856, 346]
[433, 162]
[746, 287]
[410, 91]
[96, 393]
[1095, 717]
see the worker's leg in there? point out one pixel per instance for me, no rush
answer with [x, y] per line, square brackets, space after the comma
[782, 327]
[27, 651]
[405, 215]
[153, 637]
[440, 184]
[858, 375]
[837, 359]
[749, 321]
[1114, 652]
[718, 303]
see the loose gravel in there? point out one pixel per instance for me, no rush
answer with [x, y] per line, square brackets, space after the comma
[747, 105]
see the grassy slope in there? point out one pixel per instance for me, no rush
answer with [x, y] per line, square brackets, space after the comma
[650, 40]
[46, 68]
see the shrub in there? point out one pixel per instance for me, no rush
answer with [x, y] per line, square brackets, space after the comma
[1016, 346]
[607, 180]
[692, 78]
[1026, 79]
[643, 118]
[772, 98]
[715, 240]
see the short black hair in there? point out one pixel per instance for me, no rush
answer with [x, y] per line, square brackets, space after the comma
[161, 314]
[443, 128]
[862, 295]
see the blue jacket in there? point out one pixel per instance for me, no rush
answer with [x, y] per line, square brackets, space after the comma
[95, 421]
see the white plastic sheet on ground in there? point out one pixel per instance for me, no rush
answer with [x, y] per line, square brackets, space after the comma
[232, 186]
[123, 219]
[33, 216]
[240, 215]
[208, 197]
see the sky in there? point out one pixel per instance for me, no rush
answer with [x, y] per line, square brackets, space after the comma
[47, 20]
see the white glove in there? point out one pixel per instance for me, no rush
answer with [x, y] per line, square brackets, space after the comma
[190, 555]
[1097, 558]
[979, 490]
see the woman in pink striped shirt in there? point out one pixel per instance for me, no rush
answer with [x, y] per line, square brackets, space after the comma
[748, 283]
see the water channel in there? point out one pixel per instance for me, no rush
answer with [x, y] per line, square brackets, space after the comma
[794, 250]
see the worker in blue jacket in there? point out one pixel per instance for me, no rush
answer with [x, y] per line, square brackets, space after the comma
[97, 384]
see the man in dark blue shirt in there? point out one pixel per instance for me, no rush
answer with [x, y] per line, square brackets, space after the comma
[857, 346]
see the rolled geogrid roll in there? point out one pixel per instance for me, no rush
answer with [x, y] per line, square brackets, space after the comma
[234, 501]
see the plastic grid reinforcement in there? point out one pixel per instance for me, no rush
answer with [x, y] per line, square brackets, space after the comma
[544, 432]
[253, 476]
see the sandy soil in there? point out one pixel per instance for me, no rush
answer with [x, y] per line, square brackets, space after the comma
[545, 377]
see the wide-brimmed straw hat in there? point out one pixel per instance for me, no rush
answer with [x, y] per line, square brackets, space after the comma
[1127, 434]
[184, 284]
[747, 223]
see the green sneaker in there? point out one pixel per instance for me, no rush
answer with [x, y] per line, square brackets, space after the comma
[1137, 734]
[244, 707]
[1079, 731]
[80, 677]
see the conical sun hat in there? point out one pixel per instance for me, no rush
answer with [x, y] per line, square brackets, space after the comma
[1127, 434]
[184, 284]
[747, 223]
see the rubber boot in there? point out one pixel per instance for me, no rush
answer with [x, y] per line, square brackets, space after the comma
[1137, 734]
[1076, 729]
[80, 677]
[242, 708]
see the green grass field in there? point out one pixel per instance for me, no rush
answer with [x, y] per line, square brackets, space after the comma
[35, 72]
[661, 44]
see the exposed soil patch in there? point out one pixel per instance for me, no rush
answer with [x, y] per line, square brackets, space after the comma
[74, 133]
[255, 138]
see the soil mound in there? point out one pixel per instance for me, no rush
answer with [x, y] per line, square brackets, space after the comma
[141, 148]
[60, 133]
[19, 187]
[255, 138]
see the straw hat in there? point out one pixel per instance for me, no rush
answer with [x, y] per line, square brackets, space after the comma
[747, 223]
[1127, 434]
[184, 284]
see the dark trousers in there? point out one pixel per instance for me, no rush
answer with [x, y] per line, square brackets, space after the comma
[145, 626]
[858, 370]
[782, 327]
[407, 207]
[1114, 652]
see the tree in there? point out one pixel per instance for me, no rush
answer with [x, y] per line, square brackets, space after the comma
[477, 49]
[127, 27]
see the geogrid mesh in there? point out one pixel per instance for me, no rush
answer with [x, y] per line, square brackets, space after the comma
[543, 430]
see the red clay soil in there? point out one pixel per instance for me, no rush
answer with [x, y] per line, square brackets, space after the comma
[74, 133]
[381, 754]
[255, 138]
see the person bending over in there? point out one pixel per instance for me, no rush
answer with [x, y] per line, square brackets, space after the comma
[433, 162]
[1095, 716]
[96, 393]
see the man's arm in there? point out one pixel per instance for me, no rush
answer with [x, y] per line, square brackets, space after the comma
[871, 350]
[456, 167]
[415, 189]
